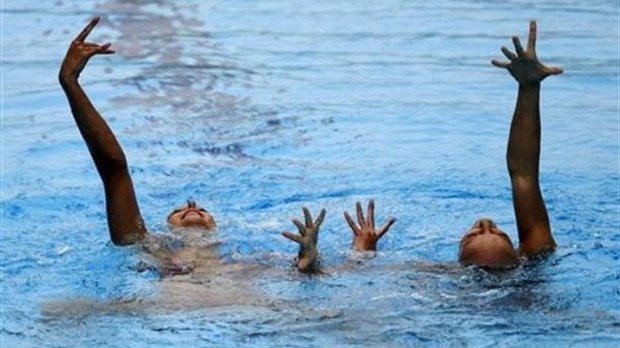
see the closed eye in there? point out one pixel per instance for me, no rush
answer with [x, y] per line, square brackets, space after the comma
[173, 212]
[506, 238]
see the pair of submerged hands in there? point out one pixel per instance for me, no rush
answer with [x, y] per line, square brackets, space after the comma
[365, 234]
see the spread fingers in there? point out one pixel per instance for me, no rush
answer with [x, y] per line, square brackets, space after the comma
[84, 33]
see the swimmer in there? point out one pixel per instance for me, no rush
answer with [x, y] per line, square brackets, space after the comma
[182, 253]
[125, 222]
[485, 244]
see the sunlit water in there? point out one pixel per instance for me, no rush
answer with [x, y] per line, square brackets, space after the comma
[258, 108]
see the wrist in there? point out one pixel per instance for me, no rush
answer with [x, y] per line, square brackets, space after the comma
[529, 87]
[364, 245]
[66, 78]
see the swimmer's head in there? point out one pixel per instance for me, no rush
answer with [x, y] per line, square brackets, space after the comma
[191, 215]
[487, 246]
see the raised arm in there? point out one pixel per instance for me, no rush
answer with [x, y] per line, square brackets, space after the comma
[124, 220]
[308, 237]
[523, 153]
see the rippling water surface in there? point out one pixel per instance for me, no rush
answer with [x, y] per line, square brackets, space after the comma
[255, 108]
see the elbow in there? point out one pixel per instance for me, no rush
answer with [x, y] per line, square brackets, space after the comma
[117, 162]
[513, 166]
[518, 168]
[111, 164]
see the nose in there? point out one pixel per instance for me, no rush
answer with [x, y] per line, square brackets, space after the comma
[485, 224]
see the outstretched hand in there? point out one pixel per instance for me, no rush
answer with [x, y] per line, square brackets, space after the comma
[366, 235]
[308, 257]
[80, 52]
[524, 66]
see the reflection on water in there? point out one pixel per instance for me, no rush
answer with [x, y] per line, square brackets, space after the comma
[257, 108]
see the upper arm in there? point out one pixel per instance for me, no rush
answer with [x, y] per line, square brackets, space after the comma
[532, 218]
[125, 223]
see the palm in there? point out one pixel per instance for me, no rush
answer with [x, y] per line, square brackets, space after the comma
[307, 239]
[524, 66]
[366, 235]
[80, 52]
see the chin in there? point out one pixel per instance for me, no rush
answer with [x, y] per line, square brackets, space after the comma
[207, 225]
[194, 222]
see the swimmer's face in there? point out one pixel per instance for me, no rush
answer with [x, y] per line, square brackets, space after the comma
[488, 246]
[191, 215]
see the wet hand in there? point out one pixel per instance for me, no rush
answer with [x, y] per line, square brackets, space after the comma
[80, 52]
[524, 66]
[308, 257]
[365, 234]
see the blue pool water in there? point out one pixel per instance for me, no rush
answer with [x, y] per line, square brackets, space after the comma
[255, 108]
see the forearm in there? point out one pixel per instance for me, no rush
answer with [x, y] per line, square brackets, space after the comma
[125, 222]
[101, 142]
[523, 153]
